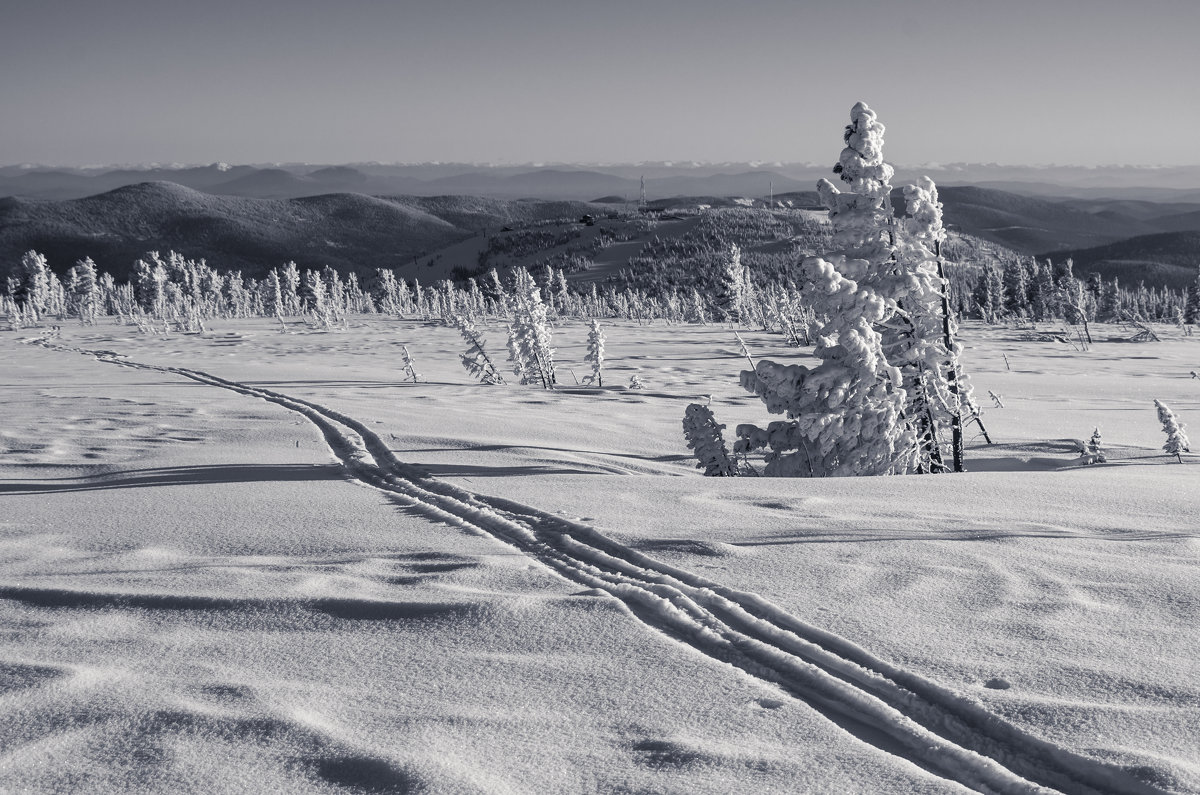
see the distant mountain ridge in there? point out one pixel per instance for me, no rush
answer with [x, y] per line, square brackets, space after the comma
[582, 182]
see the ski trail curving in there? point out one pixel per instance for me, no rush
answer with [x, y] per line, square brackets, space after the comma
[893, 709]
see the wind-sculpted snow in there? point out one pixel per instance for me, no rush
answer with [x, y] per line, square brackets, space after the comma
[880, 703]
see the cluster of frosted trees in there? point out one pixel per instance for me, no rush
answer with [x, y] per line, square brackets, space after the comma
[181, 293]
[1023, 288]
[887, 394]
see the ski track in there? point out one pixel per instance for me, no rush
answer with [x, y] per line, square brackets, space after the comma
[893, 709]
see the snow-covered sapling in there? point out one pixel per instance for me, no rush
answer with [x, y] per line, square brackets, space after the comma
[1090, 451]
[996, 399]
[410, 369]
[745, 350]
[1177, 441]
[529, 334]
[703, 436]
[635, 382]
[476, 360]
[595, 354]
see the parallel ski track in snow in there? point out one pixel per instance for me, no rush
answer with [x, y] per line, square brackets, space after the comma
[882, 704]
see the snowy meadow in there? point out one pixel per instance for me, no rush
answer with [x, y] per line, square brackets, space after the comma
[876, 509]
[254, 559]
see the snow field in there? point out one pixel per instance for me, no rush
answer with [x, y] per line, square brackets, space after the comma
[1012, 589]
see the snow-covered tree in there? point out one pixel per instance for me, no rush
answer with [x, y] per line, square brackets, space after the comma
[595, 354]
[35, 285]
[731, 289]
[1016, 287]
[272, 294]
[410, 367]
[1191, 307]
[1177, 441]
[920, 340]
[476, 360]
[529, 333]
[989, 293]
[704, 437]
[1090, 451]
[289, 282]
[318, 302]
[84, 290]
[845, 416]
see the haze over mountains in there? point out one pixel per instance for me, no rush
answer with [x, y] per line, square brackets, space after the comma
[583, 182]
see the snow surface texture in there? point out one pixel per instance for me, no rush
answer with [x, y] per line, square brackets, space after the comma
[252, 561]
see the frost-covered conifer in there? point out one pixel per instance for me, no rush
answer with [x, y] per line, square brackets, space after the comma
[150, 284]
[476, 360]
[561, 292]
[529, 334]
[920, 339]
[595, 354]
[1191, 307]
[704, 437]
[696, 309]
[35, 285]
[498, 294]
[1091, 452]
[1177, 441]
[289, 282]
[84, 290]
[336, 291]
[1016, 287]
[731, 291]
[272, 294]
[989, 294]
[845, 415]
[317, 299]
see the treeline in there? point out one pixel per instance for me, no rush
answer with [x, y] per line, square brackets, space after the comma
[177, 293]
[1022, 288]
[685, 278]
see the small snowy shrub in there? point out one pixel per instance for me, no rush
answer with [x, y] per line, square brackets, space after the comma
[635, 382]
[1177, 441]
[703, 436]
[410, 369]
[1090, 451]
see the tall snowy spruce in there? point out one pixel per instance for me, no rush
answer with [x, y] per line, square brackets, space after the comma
[887, 383]
[731, 290]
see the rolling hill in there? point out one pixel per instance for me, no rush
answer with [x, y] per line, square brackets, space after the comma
[349, 231]
[1169, 258]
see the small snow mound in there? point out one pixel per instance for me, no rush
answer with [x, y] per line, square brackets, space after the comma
[690, 546]
[996, 683]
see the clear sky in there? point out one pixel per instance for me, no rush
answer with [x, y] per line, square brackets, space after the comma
[1009, 81]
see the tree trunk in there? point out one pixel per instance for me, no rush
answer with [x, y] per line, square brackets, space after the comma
[956, 424]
